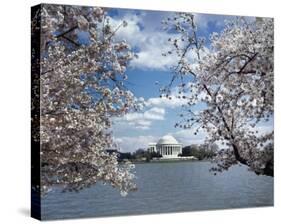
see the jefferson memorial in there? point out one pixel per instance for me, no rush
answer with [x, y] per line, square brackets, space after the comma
[167, 146]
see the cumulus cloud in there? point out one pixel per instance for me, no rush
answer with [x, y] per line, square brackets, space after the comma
[141, 120]
[187, 137]
[173, 102]
[131, 144]
[149, 40]
[154, 110]
[152, 46]
[145, 34]
[154, 113]
[204, 20]
[132, 32]
[140, 124]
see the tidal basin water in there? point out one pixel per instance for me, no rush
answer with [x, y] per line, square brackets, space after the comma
[165, 187]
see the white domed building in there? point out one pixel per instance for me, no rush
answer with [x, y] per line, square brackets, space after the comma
[167, 146]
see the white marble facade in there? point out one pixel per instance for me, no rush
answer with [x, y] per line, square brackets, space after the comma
[167, 146]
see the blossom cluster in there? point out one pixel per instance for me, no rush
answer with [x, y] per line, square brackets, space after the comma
[82, 87]
[233, 80]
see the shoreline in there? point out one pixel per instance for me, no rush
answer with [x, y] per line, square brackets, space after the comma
[166, 161]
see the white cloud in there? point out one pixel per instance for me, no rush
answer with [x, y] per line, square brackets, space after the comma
[187, 137]
[154, 110]
[154, 113]
[164, 102]
[152, 46]
[175, 99]
[131, 144]
[141, 124]
[144, 32]
[129, 32]
[141, 120]
[203, 21]
[151, 41]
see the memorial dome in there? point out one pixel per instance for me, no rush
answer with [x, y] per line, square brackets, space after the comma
[167, 140]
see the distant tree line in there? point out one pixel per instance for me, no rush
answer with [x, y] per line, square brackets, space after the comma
[201, 152]
[139, 155]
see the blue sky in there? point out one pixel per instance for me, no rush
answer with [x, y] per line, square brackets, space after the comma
[150, 71]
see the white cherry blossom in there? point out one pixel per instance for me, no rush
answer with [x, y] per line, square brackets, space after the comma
[236, 77]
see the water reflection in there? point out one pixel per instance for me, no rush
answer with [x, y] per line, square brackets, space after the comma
[165, 187]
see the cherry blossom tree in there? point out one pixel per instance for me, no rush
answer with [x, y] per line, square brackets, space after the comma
[231, 78]
[82, 87]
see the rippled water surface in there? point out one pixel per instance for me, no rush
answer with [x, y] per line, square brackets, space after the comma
[165, 187]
